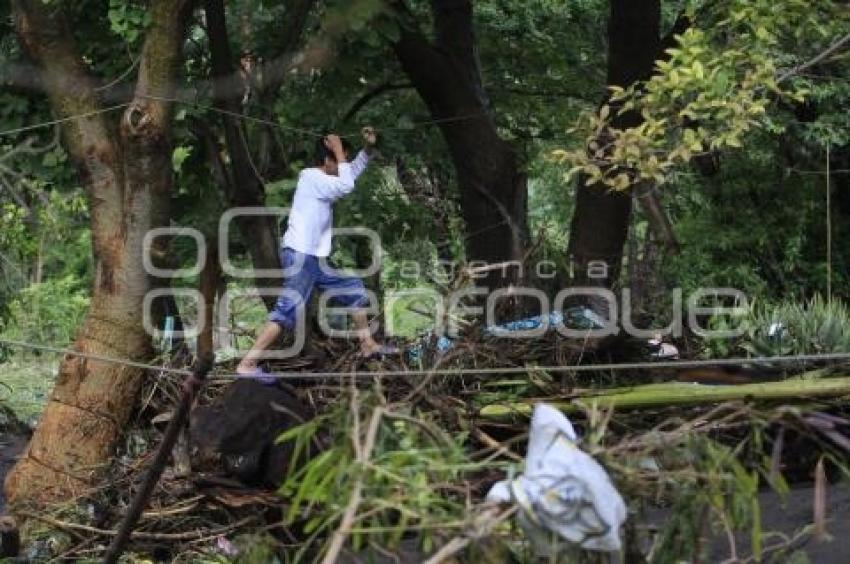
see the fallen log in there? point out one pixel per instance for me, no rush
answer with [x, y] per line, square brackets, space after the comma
[669, 394]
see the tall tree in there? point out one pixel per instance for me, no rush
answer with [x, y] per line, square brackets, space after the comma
[600, 221]
[127, 171]
[239, 178]
[446, 74]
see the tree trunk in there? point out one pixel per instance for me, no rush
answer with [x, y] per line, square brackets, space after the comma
[127, 174]
[600, 221]
[493, 187]
[241, 181]
[210, 281]
[243, 186]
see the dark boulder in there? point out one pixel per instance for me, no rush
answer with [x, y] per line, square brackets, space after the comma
[236, 434]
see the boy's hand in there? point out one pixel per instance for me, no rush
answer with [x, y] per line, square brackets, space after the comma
[370, 138]
[334, 145]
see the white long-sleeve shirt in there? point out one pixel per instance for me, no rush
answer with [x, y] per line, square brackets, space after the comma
[311, 216]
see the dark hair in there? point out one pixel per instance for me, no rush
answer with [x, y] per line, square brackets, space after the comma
[322, 152]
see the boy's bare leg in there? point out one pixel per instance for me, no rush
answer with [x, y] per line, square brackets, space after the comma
[268, 335]
[368, 346]
[271, 331]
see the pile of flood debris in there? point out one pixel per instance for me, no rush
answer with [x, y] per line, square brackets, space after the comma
[399, 468]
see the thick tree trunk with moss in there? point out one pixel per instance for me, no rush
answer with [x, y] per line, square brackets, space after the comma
[493, 186]
[127, 174]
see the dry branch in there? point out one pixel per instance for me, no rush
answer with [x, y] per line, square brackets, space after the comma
[138, 535]
[364, 453]
[482, 527]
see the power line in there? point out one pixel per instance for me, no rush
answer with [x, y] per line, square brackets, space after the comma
[92, 356]
[239, 115]
[233, 114]
[17, 130]
[456, 372]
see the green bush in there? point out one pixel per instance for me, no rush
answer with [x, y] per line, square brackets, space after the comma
[49, 312]
[407, 480]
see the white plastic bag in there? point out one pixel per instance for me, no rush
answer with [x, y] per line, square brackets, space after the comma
[563, 490]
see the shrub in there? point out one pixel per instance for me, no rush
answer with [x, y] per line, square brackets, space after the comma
[49, 312]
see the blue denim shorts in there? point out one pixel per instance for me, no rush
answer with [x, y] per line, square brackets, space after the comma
[302, 273]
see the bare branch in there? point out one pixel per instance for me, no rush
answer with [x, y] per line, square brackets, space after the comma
[829, 51]
[382, 88]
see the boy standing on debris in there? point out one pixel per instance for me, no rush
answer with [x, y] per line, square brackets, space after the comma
[307, 240]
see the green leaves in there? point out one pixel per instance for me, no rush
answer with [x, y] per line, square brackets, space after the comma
[405, 484]
[49, 312]
[179, 155]
[721, 75]
[128, 19]
[812, 327]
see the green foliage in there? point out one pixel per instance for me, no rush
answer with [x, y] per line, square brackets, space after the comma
[713, 89]
[25, 384]
[757, 226]
[128, 20]
[406, 484]
[816, 326]
[49, 312]
[724, 497]
[380, 203]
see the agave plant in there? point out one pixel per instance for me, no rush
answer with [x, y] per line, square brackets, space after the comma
[817, 326]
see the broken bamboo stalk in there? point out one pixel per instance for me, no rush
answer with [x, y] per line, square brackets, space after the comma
[671, 394]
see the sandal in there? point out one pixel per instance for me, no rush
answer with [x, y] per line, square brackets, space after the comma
[258, 375]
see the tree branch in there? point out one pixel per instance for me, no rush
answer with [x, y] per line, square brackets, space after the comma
[455, 34]
[46, 38]
[291, 34]
[220, 173]
[382, 88]
[245, 187]
[834, 48]
[146, 123]
[248, 188]
[158, 67]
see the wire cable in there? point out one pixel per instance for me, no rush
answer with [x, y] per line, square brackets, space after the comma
[92, 356]
[455, 372]
[52, 122]
[239, 115]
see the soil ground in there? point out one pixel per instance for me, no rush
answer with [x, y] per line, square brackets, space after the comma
[788, 516]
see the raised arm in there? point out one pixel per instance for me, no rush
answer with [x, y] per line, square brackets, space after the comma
[332, 188]
[370, 139]
[358, 165]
